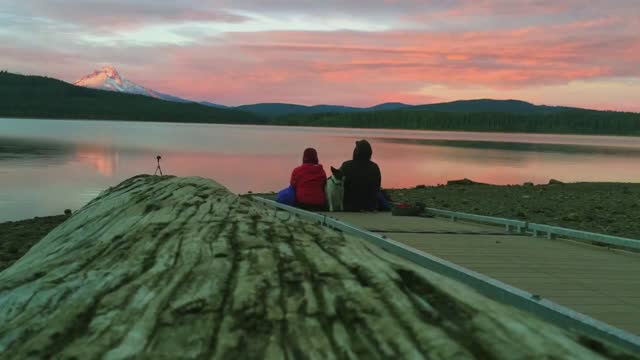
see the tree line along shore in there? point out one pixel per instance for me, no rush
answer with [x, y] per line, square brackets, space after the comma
[585, 122]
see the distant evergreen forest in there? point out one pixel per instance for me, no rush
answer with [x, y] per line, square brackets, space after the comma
[571, 121]
[41, 97]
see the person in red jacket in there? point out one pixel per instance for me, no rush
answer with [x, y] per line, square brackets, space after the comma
[308, 180]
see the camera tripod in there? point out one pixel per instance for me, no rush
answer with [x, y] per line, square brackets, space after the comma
[158, 168]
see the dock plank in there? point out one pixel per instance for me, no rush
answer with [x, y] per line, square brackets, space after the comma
[594, 280]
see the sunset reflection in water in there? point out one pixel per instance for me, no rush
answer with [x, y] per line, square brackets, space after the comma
[47, 166]
[101, 158]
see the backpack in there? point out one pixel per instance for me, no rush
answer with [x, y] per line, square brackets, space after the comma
[287, 196]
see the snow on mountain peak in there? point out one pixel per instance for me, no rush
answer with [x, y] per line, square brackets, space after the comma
[108, 78]
[110, 71]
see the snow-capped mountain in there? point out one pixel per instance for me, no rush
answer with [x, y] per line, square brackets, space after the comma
[108, 78]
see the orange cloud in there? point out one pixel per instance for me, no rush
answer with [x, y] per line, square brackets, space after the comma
[502, 46]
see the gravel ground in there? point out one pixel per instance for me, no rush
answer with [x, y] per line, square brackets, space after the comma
[17, 237]
[608, 208]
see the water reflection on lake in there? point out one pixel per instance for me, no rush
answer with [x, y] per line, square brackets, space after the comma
[49, 165]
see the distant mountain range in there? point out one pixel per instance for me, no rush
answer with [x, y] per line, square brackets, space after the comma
[490, 105]
[279, 109]
[108, 78]
[41, 97]
[479, 105]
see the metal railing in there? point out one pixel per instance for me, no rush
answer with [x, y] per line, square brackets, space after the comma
[553, 231]
[519, 226]
[535, 229]
[488, 286]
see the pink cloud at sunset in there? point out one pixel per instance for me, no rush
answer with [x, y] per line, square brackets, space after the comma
[354, 52]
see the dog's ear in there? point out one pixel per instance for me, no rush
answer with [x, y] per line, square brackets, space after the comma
[337, 173]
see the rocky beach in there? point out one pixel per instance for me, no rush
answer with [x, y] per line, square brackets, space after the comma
[607, 208]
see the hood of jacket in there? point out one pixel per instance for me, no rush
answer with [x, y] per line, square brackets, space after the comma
[310, 156]
[362, 151]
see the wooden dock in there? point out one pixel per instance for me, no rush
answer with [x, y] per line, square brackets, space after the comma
[597, 281]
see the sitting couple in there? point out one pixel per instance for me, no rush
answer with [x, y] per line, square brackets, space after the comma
[361, 180]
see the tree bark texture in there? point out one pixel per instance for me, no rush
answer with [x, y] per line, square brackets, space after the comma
[167, 267]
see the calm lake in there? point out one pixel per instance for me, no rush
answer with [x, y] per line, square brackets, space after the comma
[47, 166]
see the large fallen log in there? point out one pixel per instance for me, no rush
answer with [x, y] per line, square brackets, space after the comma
[166, 267]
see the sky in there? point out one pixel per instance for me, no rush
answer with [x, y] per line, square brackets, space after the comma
[349, 52]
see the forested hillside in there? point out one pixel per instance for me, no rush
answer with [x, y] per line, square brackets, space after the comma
[42, 97]
[569, 121]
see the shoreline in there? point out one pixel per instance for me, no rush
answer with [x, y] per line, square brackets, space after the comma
[493, 131]
[600, 207]
[17, 237]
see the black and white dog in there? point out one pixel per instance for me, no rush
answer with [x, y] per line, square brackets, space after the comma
[335, 190]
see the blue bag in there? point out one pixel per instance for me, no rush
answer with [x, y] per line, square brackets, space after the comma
[287, 196]
[383, 203]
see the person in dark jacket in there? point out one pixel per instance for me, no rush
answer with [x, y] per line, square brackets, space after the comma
[308, 180]
[362, 179]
